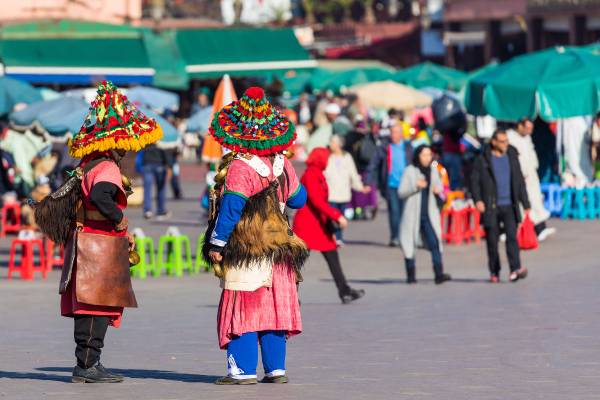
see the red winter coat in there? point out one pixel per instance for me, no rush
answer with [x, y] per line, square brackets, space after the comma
[310, 221]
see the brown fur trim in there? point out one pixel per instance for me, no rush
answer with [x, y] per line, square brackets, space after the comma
[55, 213]
[262, 232]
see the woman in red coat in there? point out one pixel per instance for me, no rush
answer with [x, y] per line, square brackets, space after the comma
[314, 223]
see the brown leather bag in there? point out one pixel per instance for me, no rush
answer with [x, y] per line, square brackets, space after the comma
[102, 276]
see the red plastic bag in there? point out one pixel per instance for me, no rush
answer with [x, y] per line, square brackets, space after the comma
[526, 235]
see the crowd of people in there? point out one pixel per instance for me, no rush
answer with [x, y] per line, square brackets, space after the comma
[352, 157]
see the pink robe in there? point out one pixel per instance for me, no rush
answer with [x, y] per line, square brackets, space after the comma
[272, 308]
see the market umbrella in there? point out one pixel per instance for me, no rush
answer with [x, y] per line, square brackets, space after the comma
[14, 91]
[225, 94]
[555, 83]
[428, 74]
[49, 94]
[57, 117]
[390, 94]
[157, 99]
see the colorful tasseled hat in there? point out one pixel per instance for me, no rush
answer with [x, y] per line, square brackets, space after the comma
[252, 125]
[113, 123]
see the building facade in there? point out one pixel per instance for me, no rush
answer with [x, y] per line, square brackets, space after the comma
[479, 31]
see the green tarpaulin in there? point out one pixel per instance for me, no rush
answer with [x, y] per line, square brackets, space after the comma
[210, 53]
[555, 83]
[433, 75]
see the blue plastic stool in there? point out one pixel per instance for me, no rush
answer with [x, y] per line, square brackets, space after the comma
[592, 198]
[574, 204]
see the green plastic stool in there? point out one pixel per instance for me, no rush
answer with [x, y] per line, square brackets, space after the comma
[145, 248]
[176, 261]
[201, 262]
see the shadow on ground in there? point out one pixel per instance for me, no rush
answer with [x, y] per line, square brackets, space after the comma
[128, 373]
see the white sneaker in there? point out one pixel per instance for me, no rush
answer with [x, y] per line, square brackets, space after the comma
[546, 233]
[503, 237]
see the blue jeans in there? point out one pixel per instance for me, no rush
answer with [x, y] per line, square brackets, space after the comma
[154, 174]
[453, 164]
[433, 244]
[341, 207]
[395, 205]
[242, 354]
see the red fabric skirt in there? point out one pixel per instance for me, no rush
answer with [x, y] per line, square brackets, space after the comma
[275, 308]
[69, 306]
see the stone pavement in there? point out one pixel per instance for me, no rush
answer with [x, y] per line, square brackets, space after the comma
[536, 339]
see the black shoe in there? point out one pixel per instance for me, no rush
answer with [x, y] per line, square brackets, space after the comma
[275, 379]
[411, 280]
[95, 374]
[394, 243]
[101, 368]
[351, 295]
[442, 278]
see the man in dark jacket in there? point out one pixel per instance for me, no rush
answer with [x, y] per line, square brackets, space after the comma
[386, 169]
[498, 187]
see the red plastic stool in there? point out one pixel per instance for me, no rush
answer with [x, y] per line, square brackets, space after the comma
[472, 230]
[8, 226]
[453, 222]
[28, 266]
[53, 260]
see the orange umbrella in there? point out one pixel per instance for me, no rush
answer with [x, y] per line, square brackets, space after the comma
[225, 94]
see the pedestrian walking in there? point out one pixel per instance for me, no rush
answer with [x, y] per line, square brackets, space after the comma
[421, 190]
[173, 172]
[520, 139]
[86, 215]
[342, 177]
[316, 222]
[386, 168]
[154, 173]
[254, 251]
[498, 188]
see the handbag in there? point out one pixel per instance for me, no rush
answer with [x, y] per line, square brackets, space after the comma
[526, 236]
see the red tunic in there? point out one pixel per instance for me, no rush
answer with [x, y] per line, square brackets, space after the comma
[69, 306]
[273, 308]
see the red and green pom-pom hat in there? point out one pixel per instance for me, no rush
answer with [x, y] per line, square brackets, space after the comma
[113, 123]
[252, 125]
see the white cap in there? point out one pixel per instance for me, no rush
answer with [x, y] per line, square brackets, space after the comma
[332, 108]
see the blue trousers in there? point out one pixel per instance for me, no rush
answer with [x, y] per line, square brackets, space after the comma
[341, 207]
[154, 174]
[242, 354]
[431, 240]
[395, 205]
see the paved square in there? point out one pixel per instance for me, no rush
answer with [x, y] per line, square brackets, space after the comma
[537, 339]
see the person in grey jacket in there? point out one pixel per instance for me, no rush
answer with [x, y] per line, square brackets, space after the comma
[419, 187]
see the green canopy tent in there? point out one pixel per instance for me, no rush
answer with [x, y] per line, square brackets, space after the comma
[555, 83]
[83, 53]
[336, 80]
[210, 53]
[428, 74]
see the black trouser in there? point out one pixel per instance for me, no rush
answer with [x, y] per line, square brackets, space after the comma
[539, 228]
[431, 240]
[333, 262]
[505, 216]
[89, 337]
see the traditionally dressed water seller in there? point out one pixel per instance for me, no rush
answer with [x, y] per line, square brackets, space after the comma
[253, 249]
[86, 215]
